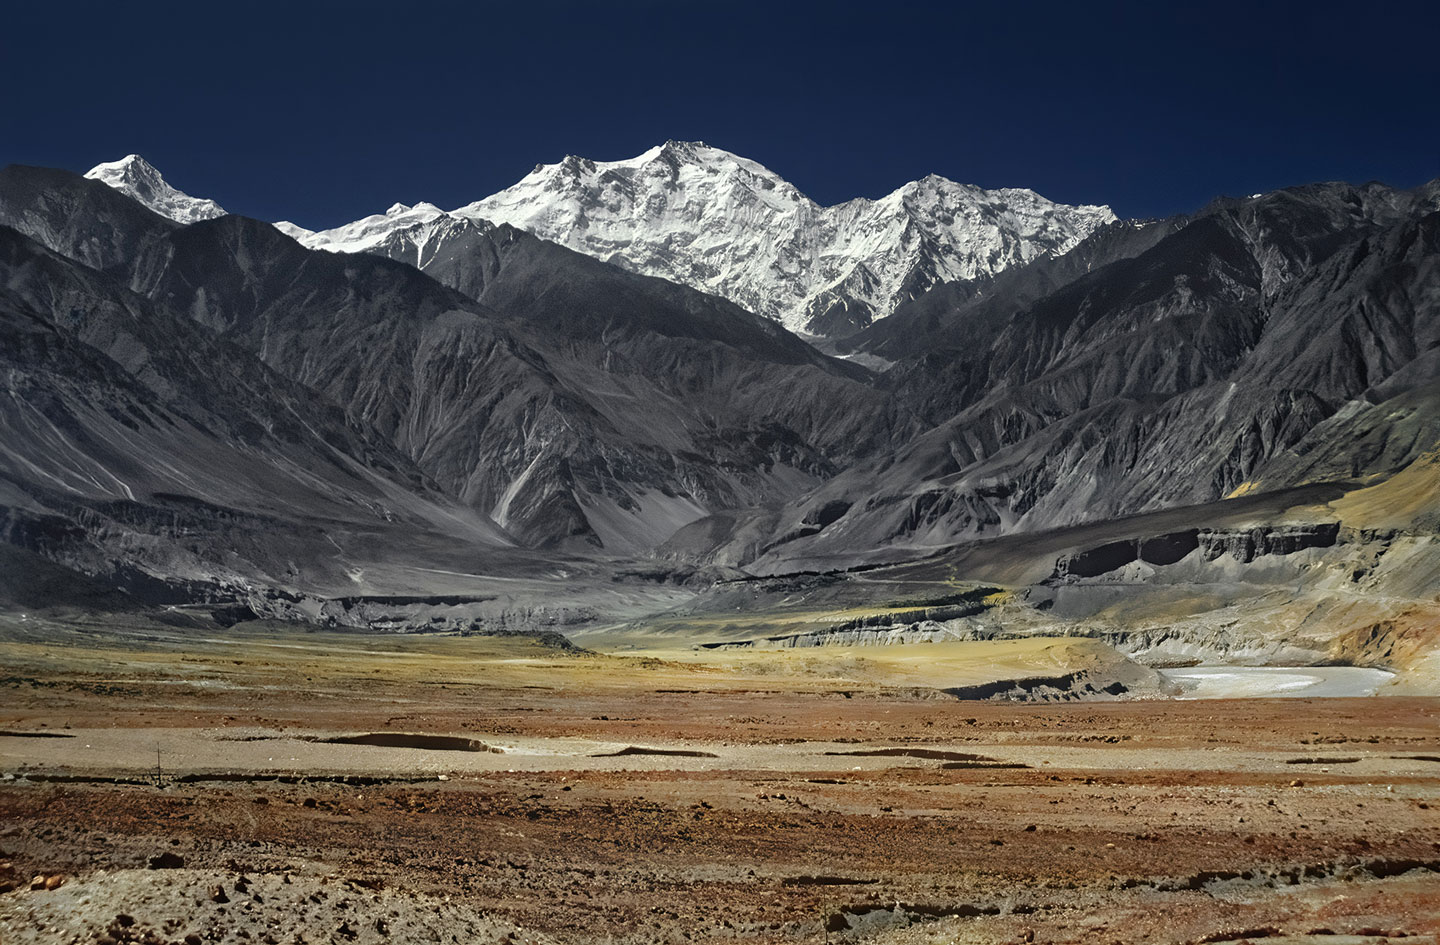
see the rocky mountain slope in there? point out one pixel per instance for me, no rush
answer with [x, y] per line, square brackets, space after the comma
[139, 447]
[582, 404]
[1165, 378]
[715, 221]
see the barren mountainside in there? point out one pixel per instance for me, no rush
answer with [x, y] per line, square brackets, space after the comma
[1166, 378]
[496, 401]
[585, 405]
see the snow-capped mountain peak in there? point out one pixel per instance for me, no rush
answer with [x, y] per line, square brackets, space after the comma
[367, 233]
[136, 177]
[294, 230]
[704, 217]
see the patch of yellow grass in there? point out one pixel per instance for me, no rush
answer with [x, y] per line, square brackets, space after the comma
[926, 665]
[1407, 498]
[1245, 488]
[368, 664]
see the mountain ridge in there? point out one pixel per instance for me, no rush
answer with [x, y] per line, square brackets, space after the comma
[724, 224]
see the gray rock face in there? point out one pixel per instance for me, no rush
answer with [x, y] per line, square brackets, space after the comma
[138, 446]
[951, 318]
[78, 218]
[572, 402]
[1364, 438]
[1176, 376]
[1157, 550]
[1244, 545]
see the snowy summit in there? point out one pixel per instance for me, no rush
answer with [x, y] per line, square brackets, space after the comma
[715, 221]
[137, 178]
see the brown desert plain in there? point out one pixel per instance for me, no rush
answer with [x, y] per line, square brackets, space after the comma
[274, 786]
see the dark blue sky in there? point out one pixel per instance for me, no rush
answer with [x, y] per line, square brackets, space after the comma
[322, 112]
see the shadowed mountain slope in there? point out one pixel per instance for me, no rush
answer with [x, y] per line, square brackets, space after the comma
[140, 447]
[1170, 377]
[581, 405]
[459, 386]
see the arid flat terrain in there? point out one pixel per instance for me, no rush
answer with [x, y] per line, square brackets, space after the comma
[486, 789]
